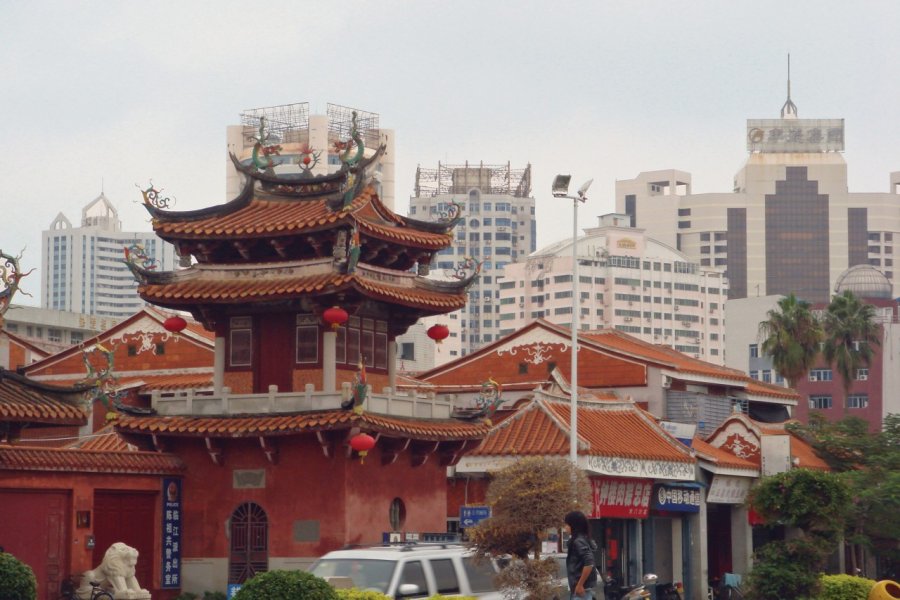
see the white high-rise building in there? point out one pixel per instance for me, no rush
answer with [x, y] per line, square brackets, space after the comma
[627, 281]
[309, 140]
[82, 268]
[498, 228]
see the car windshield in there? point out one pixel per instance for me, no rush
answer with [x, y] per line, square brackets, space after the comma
[365, 574]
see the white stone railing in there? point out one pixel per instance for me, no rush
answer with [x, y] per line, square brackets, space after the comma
[389, 402]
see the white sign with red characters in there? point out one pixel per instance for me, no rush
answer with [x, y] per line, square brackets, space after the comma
[620, 498]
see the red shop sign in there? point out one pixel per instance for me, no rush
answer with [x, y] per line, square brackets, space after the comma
[621, 498]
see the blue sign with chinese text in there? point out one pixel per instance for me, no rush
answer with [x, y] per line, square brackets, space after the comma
[683, 497]
[470, 516]
[171, 533]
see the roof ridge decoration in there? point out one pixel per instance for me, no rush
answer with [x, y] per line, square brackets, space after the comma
[466, 271]
[265, 163]
[153, 197]
[486, 403]
[10, 276]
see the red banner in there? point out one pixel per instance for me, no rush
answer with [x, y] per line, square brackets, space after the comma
[621, 498]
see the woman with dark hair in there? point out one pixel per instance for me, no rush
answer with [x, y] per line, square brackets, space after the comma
[580, 565]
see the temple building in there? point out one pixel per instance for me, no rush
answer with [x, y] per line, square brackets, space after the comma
[306, 280]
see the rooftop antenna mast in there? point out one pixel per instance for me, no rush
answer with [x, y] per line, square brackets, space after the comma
[789, 110]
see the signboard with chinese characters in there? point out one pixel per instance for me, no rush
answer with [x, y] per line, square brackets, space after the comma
[795, 135]
[620, 498]
[470, 516]
[171, 533]
[726, 489]
[678, 498]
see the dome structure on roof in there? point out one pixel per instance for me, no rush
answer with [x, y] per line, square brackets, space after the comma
[865, 281]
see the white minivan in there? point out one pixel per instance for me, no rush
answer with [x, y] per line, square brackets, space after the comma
[410, 571]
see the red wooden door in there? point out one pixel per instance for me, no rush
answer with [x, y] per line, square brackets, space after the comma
[34, 529]
[128, 518]
[276, 353]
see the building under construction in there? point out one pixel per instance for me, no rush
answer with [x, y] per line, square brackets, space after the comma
[298, 132]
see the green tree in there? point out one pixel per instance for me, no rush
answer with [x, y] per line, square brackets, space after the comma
[528, 498]
[851, 333]
[870, 465]
[815, 505]
[791, 335]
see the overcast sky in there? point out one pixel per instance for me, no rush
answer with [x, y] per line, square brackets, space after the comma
[122, 92]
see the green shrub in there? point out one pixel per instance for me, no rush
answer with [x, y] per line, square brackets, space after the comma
[785, 570]
[286, 585]
[17, 580]
[844, 587]
[357, 594]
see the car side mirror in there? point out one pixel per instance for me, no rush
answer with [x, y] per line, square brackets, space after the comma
[408, 589]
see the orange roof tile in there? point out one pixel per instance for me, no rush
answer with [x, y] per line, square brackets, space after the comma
[106, 439]
[721, 457]
[190, 291]
[424, 429]
[541, 428]
[176, 382]
[805, 455]
[24, 400]
[26, 458]
[267, 214]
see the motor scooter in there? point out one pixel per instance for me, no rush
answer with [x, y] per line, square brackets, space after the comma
[612, 591]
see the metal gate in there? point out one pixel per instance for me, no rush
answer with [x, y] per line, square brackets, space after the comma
[249, 543]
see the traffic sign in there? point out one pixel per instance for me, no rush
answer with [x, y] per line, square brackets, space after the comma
[470, 516]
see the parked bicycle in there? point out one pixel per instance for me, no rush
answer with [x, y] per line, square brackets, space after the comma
[69, 591]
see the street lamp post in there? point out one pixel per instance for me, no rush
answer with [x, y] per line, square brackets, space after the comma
[561, 190]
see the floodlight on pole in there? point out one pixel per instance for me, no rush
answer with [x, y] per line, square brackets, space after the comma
[561, 190]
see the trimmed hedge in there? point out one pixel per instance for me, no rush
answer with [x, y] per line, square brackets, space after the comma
[17, 580]
[844, 587]
[286, 585]
[355, 594]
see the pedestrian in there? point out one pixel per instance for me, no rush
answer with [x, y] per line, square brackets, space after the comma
[580, 565]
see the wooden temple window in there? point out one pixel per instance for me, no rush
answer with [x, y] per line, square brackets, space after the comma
[240, 342]
[307, 339]
[363, 336]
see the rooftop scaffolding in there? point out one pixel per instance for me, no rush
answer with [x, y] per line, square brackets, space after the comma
[459, 179]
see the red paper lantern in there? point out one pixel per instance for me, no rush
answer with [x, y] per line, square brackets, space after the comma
[335, 316]
[438, 332]
[175, 324]
[362, 443]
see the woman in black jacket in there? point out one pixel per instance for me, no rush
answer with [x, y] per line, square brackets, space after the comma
[580, 564]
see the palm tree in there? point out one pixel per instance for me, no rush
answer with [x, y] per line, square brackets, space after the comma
[791, 335]
[851, 333]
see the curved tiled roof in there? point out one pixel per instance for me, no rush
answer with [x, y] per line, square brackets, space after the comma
[720, 457]
[268, 215]
[25, 458]
[247, 426]
[541, 428]
[106, 439]
[24, 400]
[192, 291]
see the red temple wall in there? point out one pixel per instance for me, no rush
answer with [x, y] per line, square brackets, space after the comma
[465, 491]
[350, 500]
[180, 353]
[240, 382]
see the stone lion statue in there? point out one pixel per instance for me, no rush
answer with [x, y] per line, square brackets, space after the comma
[115, 574]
